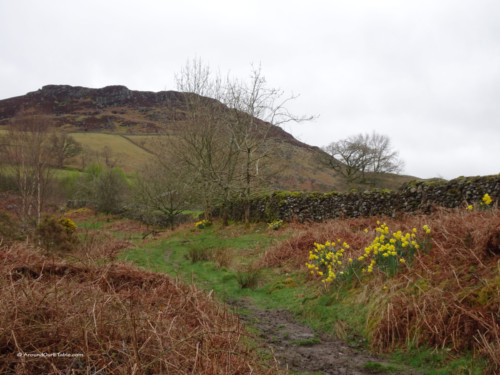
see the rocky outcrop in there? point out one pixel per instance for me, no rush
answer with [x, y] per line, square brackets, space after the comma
[111, 108]
[64, 99]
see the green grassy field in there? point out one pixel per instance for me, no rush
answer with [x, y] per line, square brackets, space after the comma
[124, 153]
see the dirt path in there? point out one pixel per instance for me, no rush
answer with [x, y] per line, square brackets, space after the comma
[298, 348]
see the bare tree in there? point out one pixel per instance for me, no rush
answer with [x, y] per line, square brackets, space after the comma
[63, 147]
[384, 159]
[256, 109]
[226, 137]
[203, 147]
[348, 157]
[106, 155]
[160, 188]
[27, 155]
[356, 155]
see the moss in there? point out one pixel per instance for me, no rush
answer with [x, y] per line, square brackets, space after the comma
[319, 206]
[489, 293]
[331, 194]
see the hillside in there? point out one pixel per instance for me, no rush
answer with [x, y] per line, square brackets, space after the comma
[127, 121]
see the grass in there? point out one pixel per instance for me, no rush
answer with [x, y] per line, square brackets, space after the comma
[379, 368]
[458, 269]
[352, 311]
[359, 311]
[306, 342]
[125, 153]
[174, 255]
[439, 362]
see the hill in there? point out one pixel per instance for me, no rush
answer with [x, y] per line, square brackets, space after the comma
[127, 121]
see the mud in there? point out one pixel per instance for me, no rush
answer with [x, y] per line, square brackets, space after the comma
[296, 347]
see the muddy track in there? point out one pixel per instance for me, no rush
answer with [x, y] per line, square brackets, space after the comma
[298, 348]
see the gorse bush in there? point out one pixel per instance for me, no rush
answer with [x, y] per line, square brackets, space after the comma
[57, 234]
[68, 224]
[386, 254]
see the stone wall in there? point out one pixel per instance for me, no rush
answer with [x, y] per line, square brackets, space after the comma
[412, 197]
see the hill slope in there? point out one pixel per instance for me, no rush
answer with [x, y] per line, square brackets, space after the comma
[125, 121]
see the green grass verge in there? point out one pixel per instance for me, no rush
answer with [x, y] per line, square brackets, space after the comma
[335, 311]
[174, 256]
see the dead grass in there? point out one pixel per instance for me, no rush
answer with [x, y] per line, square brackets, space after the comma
[127, 226]
[115, 318]
[449, 297]
[295, 250]
[223, 257]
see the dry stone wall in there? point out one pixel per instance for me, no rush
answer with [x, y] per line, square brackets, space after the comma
[411, 197]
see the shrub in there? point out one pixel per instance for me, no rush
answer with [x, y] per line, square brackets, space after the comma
[57, 234]
[103, 188]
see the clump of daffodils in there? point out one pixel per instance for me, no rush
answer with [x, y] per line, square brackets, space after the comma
[486, 200]
[203, 224]
[326, 258]
[275, 225]
[387, 253]
[484, 204]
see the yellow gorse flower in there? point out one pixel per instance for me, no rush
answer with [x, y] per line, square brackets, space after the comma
[68, 224]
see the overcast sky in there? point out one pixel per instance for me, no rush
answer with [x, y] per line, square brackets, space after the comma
[426, 73]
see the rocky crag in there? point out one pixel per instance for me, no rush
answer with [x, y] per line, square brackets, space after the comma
[111, 109]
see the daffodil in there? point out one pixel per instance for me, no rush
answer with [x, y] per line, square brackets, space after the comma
[487, 199]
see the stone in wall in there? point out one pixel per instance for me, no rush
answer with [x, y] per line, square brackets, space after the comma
[412, 197]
